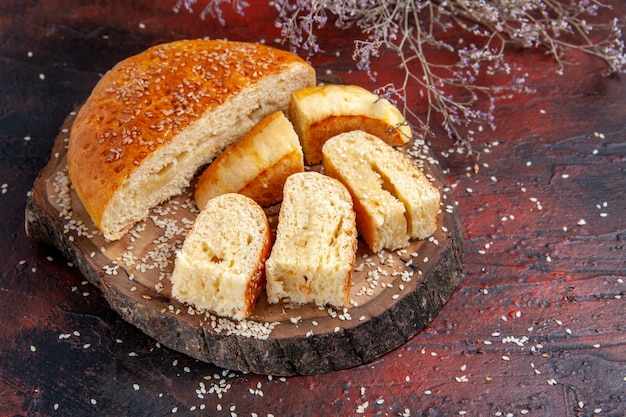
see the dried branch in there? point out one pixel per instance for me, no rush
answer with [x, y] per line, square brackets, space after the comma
[460, 89]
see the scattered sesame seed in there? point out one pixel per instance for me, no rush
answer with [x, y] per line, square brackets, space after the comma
[33, 348]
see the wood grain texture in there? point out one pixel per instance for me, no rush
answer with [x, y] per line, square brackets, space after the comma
[62, 346]
[405, 289]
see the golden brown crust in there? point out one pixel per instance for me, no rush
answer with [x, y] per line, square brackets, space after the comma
[323, 111]
[146, 100]
[258, 279]
[267, 188]
[322, 130]
[256, 165]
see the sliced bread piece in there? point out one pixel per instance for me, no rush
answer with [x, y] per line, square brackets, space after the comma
[256, 165]
[393, 199]
[222, 263]
[321, 112]
[316, 240]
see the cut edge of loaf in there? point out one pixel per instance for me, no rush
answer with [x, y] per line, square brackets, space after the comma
[169, 170]
[394, 200]
[221, 266]
[315, 247]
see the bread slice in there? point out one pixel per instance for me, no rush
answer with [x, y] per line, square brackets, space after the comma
[156, 117]
[256, 165]
[393, 199]
[221, 267]
[321, 112]
[316, 240]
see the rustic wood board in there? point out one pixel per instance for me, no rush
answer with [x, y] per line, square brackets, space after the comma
[394, 294]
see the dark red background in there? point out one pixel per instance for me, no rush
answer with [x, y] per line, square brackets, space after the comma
[533, 273]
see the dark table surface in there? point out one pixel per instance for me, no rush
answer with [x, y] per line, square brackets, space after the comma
[536, 327]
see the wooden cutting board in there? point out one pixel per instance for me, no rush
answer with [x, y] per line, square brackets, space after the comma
[394, 294]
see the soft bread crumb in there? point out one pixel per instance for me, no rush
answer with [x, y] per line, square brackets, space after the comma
[221, 265]
[393, 199]
[316, 240]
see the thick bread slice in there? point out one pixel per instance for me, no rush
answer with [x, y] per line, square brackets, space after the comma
[256, 165]
[321, 112]
[156, 117]
[222, 263]
[316, 240]
[393, 200]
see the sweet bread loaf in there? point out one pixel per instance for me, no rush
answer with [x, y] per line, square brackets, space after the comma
[316, 239]
[393, 199]
[256, 165]
[156, 117]
[222, 263]
[321, 112]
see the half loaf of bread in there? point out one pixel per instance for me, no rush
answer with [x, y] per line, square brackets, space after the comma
[393, 199]
[256, 165]
[156, 117]
[221, 267]
[316, 239]
[321, 112]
